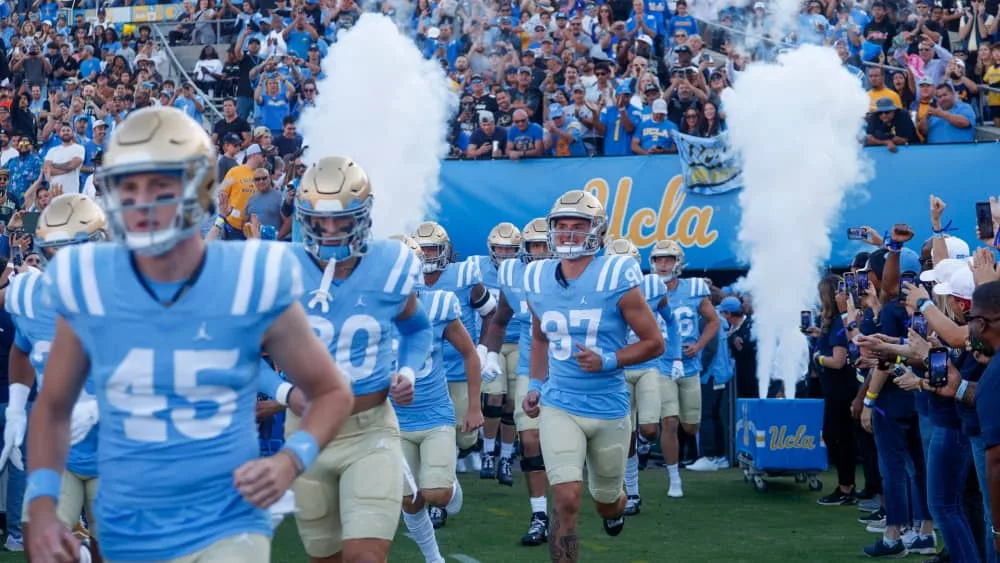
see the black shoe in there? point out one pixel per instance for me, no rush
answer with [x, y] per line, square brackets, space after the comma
[439, 516]
[632, 504]
[864, 494]
[838, 498]
[614, 526]
[489, 468]
[942, 557]
[505, 474]
[872, 517]
[538, 530]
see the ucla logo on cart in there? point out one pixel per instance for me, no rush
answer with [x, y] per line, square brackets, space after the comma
[782, 440]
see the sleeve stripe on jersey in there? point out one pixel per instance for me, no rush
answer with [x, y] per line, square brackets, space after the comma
[450, 302]
[412, 274]
[503, 273]
[295, 287]
[88, 281]
[397, 269]
[463, 276]
[699, 287]
[615, 263]
[532, 277]
[65, 280]
[12, 303]
[244, 280]
[435, 306]
[272, 275]
[29, 295]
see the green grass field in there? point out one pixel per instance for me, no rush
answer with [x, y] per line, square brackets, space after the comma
[719, 519]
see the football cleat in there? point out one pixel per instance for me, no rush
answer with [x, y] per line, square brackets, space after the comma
[632, 505]
[439, 516]
[489, 470]
[505, 473]
[614, 526]
[538, 530]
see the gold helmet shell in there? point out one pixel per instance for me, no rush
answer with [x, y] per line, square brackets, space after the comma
[71, 219]
[334, 187]
[157, 140]
[408, 242]
[622, 247]
[506, 236]
[432, 235]
[667, 248]
[577, 204]
[536, 231]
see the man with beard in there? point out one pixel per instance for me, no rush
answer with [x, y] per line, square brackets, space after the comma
[64, 160]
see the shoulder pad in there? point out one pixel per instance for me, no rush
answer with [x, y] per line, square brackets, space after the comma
[24, 293]
[403, 273]
[72, 278]
[269, 277]
[618, 273]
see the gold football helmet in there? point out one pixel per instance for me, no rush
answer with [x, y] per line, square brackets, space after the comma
[159, 140]
[70, 219]
[535, 241]
[504, 242]
[577, 204]
[667, 249]
[622, 247]
[333, 205]
[430, 235]
[411, 244]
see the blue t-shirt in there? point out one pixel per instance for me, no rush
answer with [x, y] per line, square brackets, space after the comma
[893, 400]
[618, 141]
[940, 131]
[988, 403]
[524, 140]
[653, 134]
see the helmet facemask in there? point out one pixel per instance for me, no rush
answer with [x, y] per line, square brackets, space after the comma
[581, 244]
[339, 244]
[190, 213]
[501, 252]
[673, 273]
[440, 261]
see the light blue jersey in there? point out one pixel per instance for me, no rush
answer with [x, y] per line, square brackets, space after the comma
[583, 312]
[686, 301]
[431, 406]
[459, 278]
[511, 276]
[491, 281]
[653, 291]
[176, 389]
[356, 323]
[35, 325]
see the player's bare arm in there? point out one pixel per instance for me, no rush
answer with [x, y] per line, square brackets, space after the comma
[498, 328]
[639, 317]
[458, 337]
[711, 328]
[538, 367]
[414, 327]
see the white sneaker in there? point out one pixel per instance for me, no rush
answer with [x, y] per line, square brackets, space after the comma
[675, 490]
[462, 465]
[721, 463]
[703, 464]
[475, 462]
[454, 505]
[13, 544]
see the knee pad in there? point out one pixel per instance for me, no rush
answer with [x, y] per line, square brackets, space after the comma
[507, 419]
[493, 411]
[535, 463]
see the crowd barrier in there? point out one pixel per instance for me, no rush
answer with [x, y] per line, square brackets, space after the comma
[647, 199]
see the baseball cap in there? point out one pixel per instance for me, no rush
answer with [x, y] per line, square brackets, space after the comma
[555, 110]
[660, 106]
[959, 284]
[925, 80]
[252, 150]
[957, 248]
[623, 88]
[232, 139]
[731, 305]
[261, 131]
[943, 270]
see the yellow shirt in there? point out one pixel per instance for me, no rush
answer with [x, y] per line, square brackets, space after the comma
[238, 185]
[992, 79]
[883, 92]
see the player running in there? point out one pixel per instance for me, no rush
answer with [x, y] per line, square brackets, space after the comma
[644, 379]
[680, 394]
[504, 243]
[513, 306]
[349, 501]
[582, 307]
[428, 424]
[69, 219]
[174, 362]
[465, 280]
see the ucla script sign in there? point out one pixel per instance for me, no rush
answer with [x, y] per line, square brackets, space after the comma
[647, 199]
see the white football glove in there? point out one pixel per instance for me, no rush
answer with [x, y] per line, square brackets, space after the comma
[484, 352]
[676, 370]
[492, 369]
[84, 418]
[16, 426]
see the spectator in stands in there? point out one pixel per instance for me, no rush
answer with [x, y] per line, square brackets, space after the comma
[274, 101]
[290, 141]
[250, 65]
[711, 123]
[991, 77]
[950, 121]
[563, 134]
[24, 169]
[904, 85]
[231, 123]
[190, 102]
[654, 134]
[208, 71]
[617, 123]
[264, 207]
[524, 139]
[62, 162]
[888, 126]
[238, 187]
[488, 141]
[231, 144]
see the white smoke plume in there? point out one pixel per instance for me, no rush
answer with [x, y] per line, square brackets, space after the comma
[385, 106]
[800, 153]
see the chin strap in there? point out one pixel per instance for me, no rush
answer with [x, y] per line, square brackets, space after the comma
[321, 296]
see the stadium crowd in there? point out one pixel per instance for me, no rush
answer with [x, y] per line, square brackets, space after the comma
[577, 79]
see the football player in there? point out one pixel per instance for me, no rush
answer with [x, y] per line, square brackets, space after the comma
[680, 394]
[349, 502]
[68, 219]
[582, 306]
[512, 305]
[504, 243]
[465, 280]
[644, 379]
[427, 425]
[174, 362]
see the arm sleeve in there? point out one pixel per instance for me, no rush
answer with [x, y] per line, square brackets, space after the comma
[673, 335]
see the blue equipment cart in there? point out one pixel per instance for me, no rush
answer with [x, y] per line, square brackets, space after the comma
[780, 438]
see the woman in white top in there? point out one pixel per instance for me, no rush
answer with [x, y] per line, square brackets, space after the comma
[208, 70]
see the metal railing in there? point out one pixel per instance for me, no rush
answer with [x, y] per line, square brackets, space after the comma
[176, 65]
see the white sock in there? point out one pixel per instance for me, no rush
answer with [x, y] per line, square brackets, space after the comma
[506, 450]
[632, 476]
[422, 530]
[539, 504]
[674, 472]
[489, 445]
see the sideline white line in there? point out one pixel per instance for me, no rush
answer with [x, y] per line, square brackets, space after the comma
[462, 558]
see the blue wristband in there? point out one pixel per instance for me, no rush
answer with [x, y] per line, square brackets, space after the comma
[303, 446]
[43, 483]
[870, 403]
[962, 388]
[609, 361]
[535, 385]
